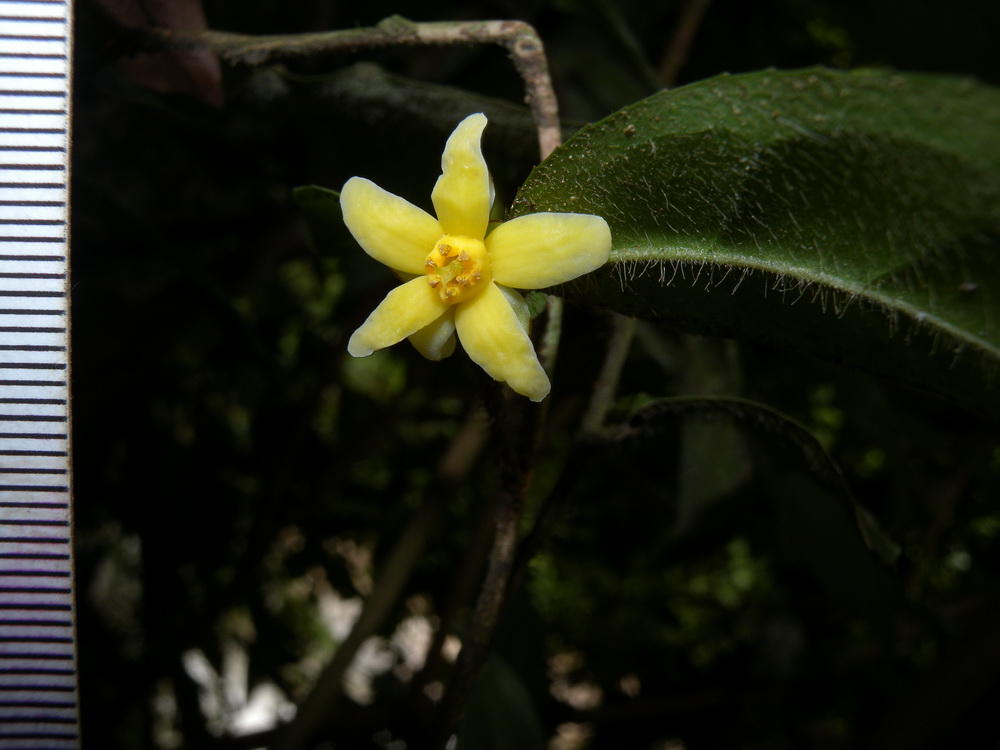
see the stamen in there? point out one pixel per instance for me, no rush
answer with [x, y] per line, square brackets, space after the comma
[457, 268]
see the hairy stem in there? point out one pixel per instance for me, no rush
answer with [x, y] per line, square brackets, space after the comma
[518, 38]
[517, 426]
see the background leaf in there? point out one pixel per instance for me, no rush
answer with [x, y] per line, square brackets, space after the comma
[853, 215]
[800, 449]
[500, 713]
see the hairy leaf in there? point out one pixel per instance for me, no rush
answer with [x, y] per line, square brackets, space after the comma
[852, 215]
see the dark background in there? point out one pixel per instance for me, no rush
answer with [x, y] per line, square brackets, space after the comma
[233, 466]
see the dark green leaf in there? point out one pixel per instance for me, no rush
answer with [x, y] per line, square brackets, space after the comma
[853, 215]
[799, 447]
[500, 713]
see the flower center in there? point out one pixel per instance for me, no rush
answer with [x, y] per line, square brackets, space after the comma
[458, 267]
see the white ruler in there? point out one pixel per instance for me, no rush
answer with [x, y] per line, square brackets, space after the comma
[38, 688]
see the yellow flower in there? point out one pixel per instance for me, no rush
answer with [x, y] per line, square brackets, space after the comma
[465, 278]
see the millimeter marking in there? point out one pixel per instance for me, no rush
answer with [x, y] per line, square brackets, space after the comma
[38, 679]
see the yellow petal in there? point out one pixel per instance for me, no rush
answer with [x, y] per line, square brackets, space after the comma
[519, 304]
[403, 312]
[463, 193]
[540, 250]
[437, 340]
[391, 230]
[495, 340]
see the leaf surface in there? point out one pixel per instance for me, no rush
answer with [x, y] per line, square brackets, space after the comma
[854, 215]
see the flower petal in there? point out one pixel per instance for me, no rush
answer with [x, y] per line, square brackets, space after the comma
[463, 193]
[540, 250]
[519, 304]
[390, 229]
[437, 340]
[495, 340]
[403, 312]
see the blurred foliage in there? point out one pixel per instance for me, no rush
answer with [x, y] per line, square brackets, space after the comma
[239, 480]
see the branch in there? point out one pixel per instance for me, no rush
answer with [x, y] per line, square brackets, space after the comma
[623, 329]
[518, 38]
[517, 426]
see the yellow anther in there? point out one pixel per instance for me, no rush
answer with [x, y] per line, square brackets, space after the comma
[458, 267]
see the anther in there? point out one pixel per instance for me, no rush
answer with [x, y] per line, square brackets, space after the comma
[457, 267]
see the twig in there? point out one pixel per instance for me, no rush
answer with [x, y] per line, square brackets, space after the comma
[508, 559]
[461, 597]
[680, 44]
[517, 426]
[519, 430]
[623, 329]
[589, 439]
[517, 37]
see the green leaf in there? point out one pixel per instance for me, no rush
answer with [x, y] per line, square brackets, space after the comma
[853, 215]
[800, 451]
[500, 713]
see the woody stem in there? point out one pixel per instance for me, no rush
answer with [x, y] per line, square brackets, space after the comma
[519, 39]
[518, 426]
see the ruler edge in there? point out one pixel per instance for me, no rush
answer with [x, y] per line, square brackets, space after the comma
[68, 31]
